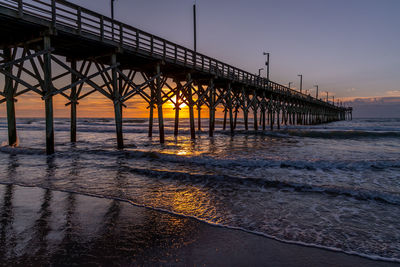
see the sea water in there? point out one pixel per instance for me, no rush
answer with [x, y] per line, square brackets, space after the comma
[335, 186]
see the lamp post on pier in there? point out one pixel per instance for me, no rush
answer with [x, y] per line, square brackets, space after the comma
[194, 27]
[259, 72]
[112, 17]
[267, 64]
[112, 9]
[316, 94]
[290, 83]
[301, 82]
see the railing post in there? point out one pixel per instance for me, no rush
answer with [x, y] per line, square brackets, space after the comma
[151, 45]
[20, 9]
[121, 35]
[53, 13]
[79, 20]
[176, 53]
[101, 28]
[185, 56]
[164, 49]
[137, 40]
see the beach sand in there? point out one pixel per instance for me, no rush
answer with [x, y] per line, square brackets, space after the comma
[44, 227]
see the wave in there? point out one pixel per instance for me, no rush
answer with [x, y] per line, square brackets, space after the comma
[344, 134]
[202, 160]
[135, 120]
[174, 213]
[261, 183]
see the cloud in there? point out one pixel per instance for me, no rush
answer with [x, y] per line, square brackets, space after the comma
[393, 93]
[375, 107]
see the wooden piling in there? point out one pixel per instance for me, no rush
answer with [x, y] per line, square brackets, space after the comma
[211, 109]
[73, 96]
[199, 118]
[151, 108]
[225, 115]
[255, 106]
[9, 92]
[159, 87]
[230, 108]
[263, 118]
[245, 109]
[177, 107]
[272, 119]
[151, 111]
[117, 104]
[48, 98]
[191, 112]
[277, 118]
[235, 119]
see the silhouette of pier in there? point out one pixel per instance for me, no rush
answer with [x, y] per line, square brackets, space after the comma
[53, 47]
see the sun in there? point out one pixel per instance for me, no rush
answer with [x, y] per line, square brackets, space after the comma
[172, 105]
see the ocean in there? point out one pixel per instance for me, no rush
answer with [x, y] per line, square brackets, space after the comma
[333, 186]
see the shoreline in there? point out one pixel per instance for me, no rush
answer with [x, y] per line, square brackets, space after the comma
[176, 240]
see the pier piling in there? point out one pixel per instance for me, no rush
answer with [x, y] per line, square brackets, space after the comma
[74, 99]
[9, 91]
[48, 97]
[117, 104]
[159, 88]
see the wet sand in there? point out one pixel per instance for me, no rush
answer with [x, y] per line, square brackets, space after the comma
[44, 227]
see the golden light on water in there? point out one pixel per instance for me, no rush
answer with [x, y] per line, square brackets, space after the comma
[192, 201]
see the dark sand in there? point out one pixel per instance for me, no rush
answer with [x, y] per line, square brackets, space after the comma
[43, 227]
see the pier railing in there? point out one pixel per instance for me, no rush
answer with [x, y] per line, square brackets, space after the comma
[83, 21]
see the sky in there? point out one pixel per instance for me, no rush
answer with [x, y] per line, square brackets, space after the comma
[348, 47]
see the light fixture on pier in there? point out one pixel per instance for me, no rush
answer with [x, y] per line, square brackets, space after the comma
[301, 82]
[316, 94]
[194, 27]
[267, 64]
[112, 17]
[112, 9]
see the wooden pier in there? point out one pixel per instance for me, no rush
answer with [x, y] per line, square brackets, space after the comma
[53, 47]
